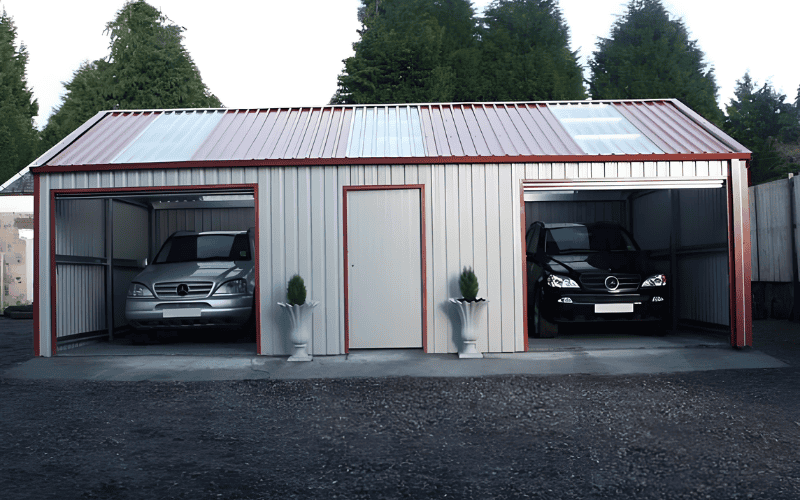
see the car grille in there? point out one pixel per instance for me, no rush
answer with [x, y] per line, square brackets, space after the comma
[196, 289]
[597, 281]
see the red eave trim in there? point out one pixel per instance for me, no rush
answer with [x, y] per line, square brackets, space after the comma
[426, 160]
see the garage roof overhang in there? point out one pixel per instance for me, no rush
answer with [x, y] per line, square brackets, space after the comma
[528, 132]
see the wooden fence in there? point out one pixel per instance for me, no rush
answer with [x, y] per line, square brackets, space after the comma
[774, 211]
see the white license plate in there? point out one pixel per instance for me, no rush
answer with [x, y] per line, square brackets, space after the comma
[182, 313]
[613, 308]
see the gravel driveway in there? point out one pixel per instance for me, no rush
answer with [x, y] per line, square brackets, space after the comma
[719, 435]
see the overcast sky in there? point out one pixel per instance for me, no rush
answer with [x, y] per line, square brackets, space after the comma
[273, 53]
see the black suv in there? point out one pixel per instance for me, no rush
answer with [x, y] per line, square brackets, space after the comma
[590, 272]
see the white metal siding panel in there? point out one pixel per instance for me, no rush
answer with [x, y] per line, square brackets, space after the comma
[440, 329]
[517, 268]
[508, 264]
[494, 311]
[279, 321]
[332, 250]
[425, 177]
[453, 250]
[479, 239]
[305, 254]
[343, 180]
[317, 246]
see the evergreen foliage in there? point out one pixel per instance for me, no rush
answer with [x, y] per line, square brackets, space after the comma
[760, 119]
[649, 55]
[437, 51]
[147, 67]
[525, 53]
[468, 283]
[296, 292]
[19, 139]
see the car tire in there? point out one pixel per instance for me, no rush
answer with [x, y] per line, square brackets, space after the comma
[541, 327]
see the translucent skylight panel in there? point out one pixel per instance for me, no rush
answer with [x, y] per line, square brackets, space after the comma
[599, 129]
[172, 136]
[386, 131]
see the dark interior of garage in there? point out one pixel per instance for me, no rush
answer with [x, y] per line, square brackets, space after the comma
[103, 241]
[684, 231]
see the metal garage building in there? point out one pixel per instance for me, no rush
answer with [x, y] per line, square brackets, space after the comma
[379, 207]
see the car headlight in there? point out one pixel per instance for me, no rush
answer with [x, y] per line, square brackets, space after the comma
[561, 282]
[233, 287]
[655, 280]
[139, 291]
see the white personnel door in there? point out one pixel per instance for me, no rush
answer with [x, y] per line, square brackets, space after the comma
[384, 268]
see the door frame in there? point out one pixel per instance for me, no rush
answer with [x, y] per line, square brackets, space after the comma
[423, 259]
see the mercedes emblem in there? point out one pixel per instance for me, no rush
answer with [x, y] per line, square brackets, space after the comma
[183, 289]
[612, 283]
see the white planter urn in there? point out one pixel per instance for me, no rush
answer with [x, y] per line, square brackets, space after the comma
[470, 312]
[300, 334]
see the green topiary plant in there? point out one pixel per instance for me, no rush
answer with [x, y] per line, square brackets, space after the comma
[296, 294]
[468, 283]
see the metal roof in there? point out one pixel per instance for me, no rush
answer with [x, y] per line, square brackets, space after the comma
[420, 132]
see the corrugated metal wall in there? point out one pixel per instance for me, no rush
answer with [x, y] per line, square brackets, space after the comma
[576, 211]
[201, 219]
[472, 215]
[128, 220]
[701, 278]
[80, 288]
[771, 229]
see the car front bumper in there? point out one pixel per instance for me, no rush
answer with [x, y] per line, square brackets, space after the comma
[153, 313]
[582, 307]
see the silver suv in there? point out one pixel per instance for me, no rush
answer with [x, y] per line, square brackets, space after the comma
[196, 280]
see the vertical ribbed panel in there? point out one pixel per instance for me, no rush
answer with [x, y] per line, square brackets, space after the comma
[576, 211]
[81, 302]
[80, 228]
[202, 219]
[702, 284]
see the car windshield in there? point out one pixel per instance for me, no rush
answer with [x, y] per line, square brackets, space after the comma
[584, 239]
[204, 247]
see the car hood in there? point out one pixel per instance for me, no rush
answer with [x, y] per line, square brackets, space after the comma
[601, 262]
[195, 271]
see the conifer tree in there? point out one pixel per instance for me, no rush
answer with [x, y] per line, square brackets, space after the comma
[649, 55]
[526, 54]
[760, 119]
[19, 139]
[147, 67]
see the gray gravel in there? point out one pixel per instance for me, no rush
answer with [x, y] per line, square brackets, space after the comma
[719, 435]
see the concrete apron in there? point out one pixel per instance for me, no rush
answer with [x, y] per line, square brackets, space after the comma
[570, 354]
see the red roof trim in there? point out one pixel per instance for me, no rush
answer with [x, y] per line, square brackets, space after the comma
[396, 161]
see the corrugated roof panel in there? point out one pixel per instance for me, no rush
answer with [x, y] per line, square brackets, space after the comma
[301, 129]
[599, 129]
[480, 130]
[692, 133]
[285, 139]
[259, 118]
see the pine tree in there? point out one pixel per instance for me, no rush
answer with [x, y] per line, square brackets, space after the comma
[526, 55]
[406, 52]
[19, 139]
[759, 118]
[147, 67]
[649, 55]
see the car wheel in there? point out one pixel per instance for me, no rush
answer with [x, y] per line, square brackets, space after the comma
[541, 327]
